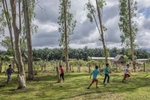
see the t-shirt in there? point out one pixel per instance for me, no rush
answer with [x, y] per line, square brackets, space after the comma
[9, 71]
[95, 73]
[62, 70]
[106, 70]
[126, 70]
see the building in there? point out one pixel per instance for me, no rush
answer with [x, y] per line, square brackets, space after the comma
[119, 59]
[142, 60]
[102, 58]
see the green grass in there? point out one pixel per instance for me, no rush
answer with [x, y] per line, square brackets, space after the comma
[74, 88]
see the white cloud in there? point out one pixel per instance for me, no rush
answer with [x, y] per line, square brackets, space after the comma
[85, 33]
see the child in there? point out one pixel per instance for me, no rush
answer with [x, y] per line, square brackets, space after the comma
[126, 73]
[61, 72]
[106, 72]
[94, 73]
[8, 72]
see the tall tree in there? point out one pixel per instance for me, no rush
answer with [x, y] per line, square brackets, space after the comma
[128, 25]
[22, 27]
[67, 25]
[94, 13]
[17, 32]
[28, 36]
[8, 23]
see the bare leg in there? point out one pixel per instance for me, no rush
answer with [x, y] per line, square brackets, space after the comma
[90, 85]
[7, 80]
[123, 79]
[97, 84]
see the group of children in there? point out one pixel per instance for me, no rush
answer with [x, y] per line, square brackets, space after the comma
[106, 73]
[95, 73]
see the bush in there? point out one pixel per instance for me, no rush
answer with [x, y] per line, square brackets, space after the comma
[37, 59]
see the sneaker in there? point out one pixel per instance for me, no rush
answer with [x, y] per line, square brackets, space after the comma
[104, 84]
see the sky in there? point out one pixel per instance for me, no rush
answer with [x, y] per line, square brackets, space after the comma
[85, 33]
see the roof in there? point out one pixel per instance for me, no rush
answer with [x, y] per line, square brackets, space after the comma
[11, 57]
[102, 58]
[72, 59]
[139, 62]
[142, 60]
[118, 57]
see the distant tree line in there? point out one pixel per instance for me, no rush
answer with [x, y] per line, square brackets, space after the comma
[57, 53]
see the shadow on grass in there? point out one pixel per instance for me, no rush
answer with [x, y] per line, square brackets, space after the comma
[131, 85]
[53, 77]
[75, 83]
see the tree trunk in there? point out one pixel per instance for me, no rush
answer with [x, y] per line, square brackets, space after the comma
[21, 74]
[4, 2]
[21, 81]
[66, 38]
[58, 74]
[1, 64]
[57, 71]
[131, 38]
[41, 65]
[102, 33]
[29, 44]
[79, 68]
[144, 67]
[25, 56]
[89, 68]
[70, 68]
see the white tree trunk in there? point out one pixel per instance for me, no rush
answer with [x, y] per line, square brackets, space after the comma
[21, 74]
[66, 37]
[5, 7]
[102, 32]
[28, 34]
[131, 37]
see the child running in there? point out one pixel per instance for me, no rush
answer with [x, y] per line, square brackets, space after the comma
[8, 72]
[126, 73]
[62, 73]
[106, 72]
[94, 73]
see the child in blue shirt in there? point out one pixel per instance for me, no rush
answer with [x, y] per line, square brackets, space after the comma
[106, 72]
[94, 73]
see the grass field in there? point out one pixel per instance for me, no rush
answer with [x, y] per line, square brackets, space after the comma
[137, 87]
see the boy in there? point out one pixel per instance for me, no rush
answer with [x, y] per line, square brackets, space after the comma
[94, 73]
[106, 72]
[126, 73]
[8, 72]
[61, 72]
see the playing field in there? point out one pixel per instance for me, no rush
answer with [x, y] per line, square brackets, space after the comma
[137, 87]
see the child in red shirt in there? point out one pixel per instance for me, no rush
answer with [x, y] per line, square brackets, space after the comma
[61, 73]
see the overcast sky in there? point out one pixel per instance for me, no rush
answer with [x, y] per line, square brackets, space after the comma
[85, 33]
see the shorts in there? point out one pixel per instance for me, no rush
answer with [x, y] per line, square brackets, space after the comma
[126, 75]
[62, 76]
[94, 80]
[8, 76]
